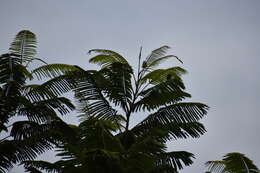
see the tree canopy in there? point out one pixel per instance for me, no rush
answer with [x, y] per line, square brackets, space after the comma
[37, 105]
[106, 140]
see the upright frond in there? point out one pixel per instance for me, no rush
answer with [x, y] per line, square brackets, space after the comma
[157, 56]
[24, 45]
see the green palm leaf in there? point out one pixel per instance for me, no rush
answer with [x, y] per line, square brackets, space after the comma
[11, 70]
[156, 57]
[52, 88]
[232, 163]
[162, 75]
[43, 165]
[24, 45]
[175, 159]
[118, 86]
[165, 132]
[106, 57]
[92, 100]
[169, 92]
[38, 103]
[217, 166]
[100, 144]
[53, 131]
[44, 110]
[54, 70]
[36, 92]
[15, 151]
[178, 113]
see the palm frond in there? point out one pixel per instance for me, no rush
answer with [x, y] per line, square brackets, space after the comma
[25, 129]
[15, 151]
[11, 70]
[238, 162]
[217, 166]
[54, 70]
[157, 56]
[24, 45]
[232, 162]
[44, 110]
[159, 52]
[8, 106]
[43, 165]
[117, 84]
[169, 92]
[185, 130]
[98, 134]
[106, 57]
[162, 75]
[165, 132]
[51, 88]
[36, 92]
[93, 103]
[147, 145]
[178, 113]
[176, 159]
[53, 130]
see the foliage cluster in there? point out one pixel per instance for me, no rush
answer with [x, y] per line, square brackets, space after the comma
[106, 140]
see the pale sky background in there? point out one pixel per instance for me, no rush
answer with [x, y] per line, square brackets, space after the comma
[218, 41]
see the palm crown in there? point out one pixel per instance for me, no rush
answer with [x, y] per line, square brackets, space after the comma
[232, 163]
[37, 104]
[142, 148]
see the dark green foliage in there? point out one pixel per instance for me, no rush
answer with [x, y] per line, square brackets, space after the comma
[38, 104]
[104, 140]
[232, 163]
[24, 45]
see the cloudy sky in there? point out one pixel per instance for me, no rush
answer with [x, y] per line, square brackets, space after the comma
[217, 40]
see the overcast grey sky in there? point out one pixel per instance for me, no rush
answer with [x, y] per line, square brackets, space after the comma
[218, 41]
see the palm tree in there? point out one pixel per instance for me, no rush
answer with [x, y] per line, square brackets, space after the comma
[115, 93]
[36, 104]
[232, 163]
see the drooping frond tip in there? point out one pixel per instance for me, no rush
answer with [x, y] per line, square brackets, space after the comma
[158, 56]
[106, 57]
